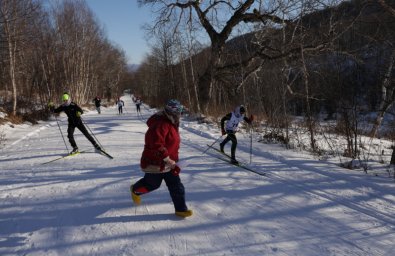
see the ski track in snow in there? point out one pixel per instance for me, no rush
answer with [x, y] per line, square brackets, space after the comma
[82, 205]
[369, 210]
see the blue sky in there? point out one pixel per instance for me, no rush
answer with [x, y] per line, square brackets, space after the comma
[122, 20]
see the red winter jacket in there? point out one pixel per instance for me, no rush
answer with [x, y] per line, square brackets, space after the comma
[161, 140]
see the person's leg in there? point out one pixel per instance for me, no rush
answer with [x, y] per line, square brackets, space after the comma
[70, 135]
[84, 131]
[234, 145]
[176, 190]
[148, 183]
[222, 144]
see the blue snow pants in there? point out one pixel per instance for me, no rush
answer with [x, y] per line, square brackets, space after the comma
[152, 181]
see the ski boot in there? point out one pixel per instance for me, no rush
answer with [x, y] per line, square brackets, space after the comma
[234, 161]
[184, 214]
[74, 151]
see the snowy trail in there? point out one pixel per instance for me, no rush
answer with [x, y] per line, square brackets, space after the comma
[82, 205]
[321, 183]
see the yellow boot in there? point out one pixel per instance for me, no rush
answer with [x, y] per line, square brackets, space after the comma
[184, 214]
[136, 198]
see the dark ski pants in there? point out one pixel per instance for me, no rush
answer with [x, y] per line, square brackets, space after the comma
[152, 181]
[138, 108]
[81, 127]
[230, 137]
[120, 110]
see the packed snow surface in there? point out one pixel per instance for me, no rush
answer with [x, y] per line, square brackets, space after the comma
[81, 205]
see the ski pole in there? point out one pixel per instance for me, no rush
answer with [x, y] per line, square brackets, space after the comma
[62, 134]
[86, 125]
[146, 108]
[212, 144]
[251, 131]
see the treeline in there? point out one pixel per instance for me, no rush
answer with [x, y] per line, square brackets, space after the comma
[48, 49]
[300, 58]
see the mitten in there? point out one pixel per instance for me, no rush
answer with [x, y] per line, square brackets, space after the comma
[223, 132]
[170, 162]
[78, 114]
[176, 170]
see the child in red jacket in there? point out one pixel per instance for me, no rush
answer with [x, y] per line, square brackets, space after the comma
[159, 157]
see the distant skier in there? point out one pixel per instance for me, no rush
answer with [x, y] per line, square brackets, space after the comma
[137, 100]
[160, 156]
[97, 102]
[232, 121]
[120, 105]
[74, 112]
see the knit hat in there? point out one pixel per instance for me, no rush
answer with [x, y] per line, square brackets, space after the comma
[174, 107]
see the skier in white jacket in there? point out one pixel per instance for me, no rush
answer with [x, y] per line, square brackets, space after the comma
[232, 121]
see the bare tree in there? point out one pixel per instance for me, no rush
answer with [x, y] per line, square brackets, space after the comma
[79, 39]
[387, 94]
[14, 17]
[387, 7]
[112, 67]
[219, 20]
[44, 52]
[388, 81]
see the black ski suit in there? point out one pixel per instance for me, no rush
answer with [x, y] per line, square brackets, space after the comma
[74, 121]
[97, 101]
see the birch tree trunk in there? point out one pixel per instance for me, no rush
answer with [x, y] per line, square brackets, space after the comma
[9, 12]
[387, 96]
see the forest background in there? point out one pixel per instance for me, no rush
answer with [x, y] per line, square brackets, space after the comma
[302, 67]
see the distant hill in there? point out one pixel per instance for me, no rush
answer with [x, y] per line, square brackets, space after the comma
[133, 67]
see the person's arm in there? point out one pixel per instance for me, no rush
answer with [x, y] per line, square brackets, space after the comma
[225, 118]
[58, 109]
[79, 109]
[250, 119]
